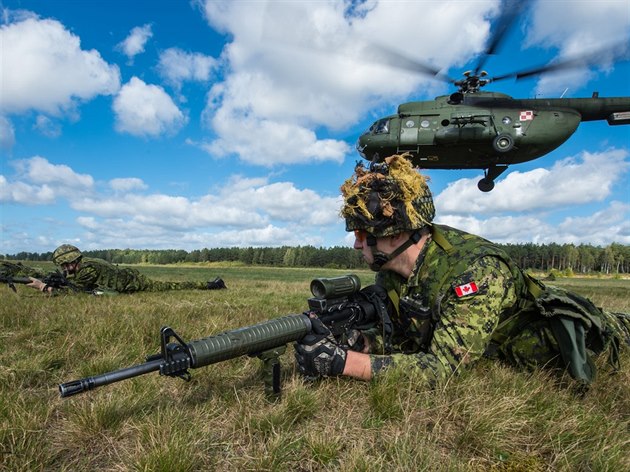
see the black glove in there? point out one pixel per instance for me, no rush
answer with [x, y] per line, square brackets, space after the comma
[317, 353]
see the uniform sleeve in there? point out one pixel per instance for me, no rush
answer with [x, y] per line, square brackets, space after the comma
[86, 278]
[470, 308]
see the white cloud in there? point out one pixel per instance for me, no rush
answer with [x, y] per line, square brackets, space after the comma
[47, 127]
[40, 182]
[610, 224]
[127, 184]
[247, 210]
[586, 27]
[177, 66]
[270, 142]
[135, 42]
[599, 228]
[125, 233]
[500, 229]
[40, 171]
[45, 69]
[266, 107]
[239, 205]
[146, 110]
[7, 133]
[572, 181]
[26, 194]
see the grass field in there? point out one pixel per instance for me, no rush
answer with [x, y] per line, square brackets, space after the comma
[490, 418]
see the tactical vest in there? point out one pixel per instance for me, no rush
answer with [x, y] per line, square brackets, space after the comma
[574, 320]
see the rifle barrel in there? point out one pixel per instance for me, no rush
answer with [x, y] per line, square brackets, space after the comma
[88, 383]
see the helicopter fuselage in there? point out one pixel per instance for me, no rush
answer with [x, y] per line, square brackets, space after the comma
[484, 129]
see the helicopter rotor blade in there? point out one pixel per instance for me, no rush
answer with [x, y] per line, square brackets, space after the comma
[390, 57]
[511, 11]
[620, 52]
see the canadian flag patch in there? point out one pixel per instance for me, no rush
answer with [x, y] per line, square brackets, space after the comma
[466, 289]
[526, 115]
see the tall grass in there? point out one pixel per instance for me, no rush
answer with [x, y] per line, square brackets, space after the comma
[490, 418]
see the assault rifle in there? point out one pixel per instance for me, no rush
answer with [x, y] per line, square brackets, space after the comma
[336, 301]
[55, 279]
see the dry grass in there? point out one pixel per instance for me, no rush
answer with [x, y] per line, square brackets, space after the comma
[491, 418]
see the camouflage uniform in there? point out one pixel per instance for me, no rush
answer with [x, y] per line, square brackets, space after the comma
[466, 299]
[99, 275]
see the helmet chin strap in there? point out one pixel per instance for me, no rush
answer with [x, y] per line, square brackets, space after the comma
[381, 258]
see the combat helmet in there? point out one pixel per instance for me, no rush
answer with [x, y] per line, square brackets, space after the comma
[66, 254]
[387, 199]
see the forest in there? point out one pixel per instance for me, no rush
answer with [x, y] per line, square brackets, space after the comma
[566, 258]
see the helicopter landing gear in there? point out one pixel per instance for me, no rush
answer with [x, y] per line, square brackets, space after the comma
[487, 183]
[503, 143]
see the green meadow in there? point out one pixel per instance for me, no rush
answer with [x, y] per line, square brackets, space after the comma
[489, 418]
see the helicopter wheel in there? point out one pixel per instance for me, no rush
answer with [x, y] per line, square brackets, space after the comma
[503, 143]
[485, 184]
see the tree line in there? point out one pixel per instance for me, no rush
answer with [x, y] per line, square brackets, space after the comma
[583, 258]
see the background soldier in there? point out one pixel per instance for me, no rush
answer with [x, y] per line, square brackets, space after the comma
[96, 275]
[453, 297]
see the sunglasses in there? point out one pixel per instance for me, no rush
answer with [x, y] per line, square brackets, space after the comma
[360, 234]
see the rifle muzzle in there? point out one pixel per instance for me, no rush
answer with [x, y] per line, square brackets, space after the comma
[76, 386]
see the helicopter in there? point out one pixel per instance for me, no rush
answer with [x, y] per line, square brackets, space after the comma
[476, 129]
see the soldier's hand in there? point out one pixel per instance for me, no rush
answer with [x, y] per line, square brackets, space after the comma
[357, 341]
[37, 284]
[318, 354]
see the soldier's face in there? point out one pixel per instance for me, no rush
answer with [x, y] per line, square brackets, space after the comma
[386, 245]
[70, 267]
[360, 244]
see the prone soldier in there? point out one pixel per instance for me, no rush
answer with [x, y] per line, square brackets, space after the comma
[97, 276]
[453, 297]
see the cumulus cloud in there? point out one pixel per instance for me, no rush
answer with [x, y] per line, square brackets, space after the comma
[38, 170]
[135, 42]
[279, 104]
[601, 25]
[600, 228]
[44, 69]
[177, 66]
[270, 142]
[586, 178]
[40, 182]
[245, 211]
[248, 204]
[146, 110]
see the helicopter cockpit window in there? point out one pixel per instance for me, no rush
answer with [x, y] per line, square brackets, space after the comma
[380, 127]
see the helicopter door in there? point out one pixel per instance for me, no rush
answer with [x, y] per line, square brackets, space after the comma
[417, 131]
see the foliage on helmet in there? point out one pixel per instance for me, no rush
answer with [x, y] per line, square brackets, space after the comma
[66, 254]
[387, 199]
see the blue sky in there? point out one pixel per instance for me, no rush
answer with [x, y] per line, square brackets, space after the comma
[191, 124]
